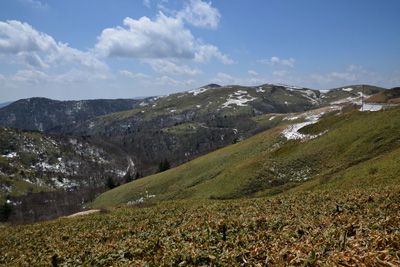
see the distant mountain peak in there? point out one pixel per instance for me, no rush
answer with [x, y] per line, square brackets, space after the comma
[212, 85]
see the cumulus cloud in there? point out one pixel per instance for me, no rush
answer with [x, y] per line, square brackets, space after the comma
[200, 14]
[38, 49]
[276, 61]
[163, 37]
[205, 53]
[168, 67]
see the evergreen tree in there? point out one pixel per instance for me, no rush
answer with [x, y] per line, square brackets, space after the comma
[5, 212]
[164, 165]
[110, 183]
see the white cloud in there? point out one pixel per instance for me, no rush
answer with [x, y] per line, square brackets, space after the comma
[32, 59]
[132, 75]
[17, 37]
[164, 37]
[30, 76]
[252, 73]
[38, 49]
[200, 14]
[206, 52]
[168, 67]
[276, 61]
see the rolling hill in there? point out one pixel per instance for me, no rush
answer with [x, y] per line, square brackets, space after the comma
[177, 127]
[361, 146]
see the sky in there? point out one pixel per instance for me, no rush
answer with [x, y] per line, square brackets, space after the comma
[133, 48]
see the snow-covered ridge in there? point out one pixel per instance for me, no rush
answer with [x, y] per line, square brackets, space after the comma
[289, 87]
[349, 89]
[238, 98]
[198, 91]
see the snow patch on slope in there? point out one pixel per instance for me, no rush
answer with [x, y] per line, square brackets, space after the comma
[260, 90]
[10, 155]
[371, 107]
[238, 98]
[349, 89]
[291, 133]
[310, 117]
[198, 91]
[351, 99]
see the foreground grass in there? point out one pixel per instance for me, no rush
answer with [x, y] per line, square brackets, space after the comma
[322, 227]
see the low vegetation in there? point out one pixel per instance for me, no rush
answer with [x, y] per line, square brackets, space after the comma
[350, 227]
[331, 200]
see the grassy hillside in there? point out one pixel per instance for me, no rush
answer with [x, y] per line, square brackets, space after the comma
[351, 227]
[266, 164]
[391, 96]
[339, 206]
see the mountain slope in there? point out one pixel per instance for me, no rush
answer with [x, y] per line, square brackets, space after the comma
[391, 96]
[177, 127]
[66, 170]
[42, 114]
[182, 126]
[267, 163]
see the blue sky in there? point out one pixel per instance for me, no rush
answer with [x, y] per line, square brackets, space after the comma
[129, 48]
